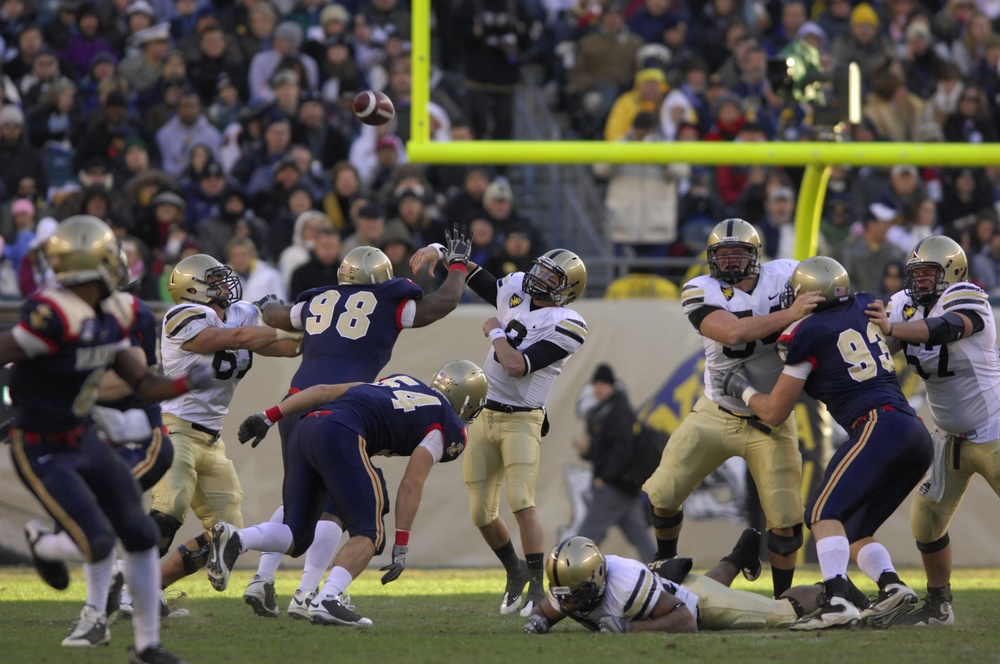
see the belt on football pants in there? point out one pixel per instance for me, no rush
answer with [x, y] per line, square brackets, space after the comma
[752, 420]
[205, 430]
[864, 418]
[507, 408]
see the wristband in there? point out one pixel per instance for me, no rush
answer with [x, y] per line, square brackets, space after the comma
[181, 385]
[283, 334]
[402, 537]
[891, 327]
[748, 392]
[440, 249]
[497, 334]
[459, 267]
[273, 414]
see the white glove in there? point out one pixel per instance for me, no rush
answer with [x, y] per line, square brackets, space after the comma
[536, 625]
[130, 426]
[615, 625]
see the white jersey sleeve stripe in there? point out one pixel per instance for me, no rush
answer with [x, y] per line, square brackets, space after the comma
[177, 325]
[639, 602]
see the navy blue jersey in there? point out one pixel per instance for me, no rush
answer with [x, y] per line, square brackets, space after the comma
[349, 330]
[852, 369]
[144, 334]
[395, 414]
[69, 347]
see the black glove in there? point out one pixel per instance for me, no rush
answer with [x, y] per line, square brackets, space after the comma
[393, 570]
[200, 376]
[268, 300]
[459, 247]
[536, 625]
[615, 625]
[255, 427]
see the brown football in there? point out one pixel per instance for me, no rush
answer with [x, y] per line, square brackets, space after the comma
[373, 107]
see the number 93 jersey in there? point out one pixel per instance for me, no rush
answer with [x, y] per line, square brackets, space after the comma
[963, 377]
[183, 322]
[704, 294]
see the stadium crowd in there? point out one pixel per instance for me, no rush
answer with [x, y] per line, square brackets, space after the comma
[187, 124]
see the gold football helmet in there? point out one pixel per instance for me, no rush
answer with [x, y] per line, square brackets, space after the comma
[940, 252]
[364, 265]
[819, 273]
[734, 233]
[204, 280]
[566, 267]
[83, 248]
[577, 573]
[464, 385]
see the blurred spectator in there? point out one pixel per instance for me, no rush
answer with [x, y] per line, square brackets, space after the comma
[34, 271]
[965, 193]
[642, 200]
[919, 221]
[282, 207]
[204, 194]
[923, 65]
[498, 200]
[321, 268]
[676, 111]
[985, 269]
[22, 213]
[863, 43]
[641, 283]
[257, 278]
[483, 235]
[87, 41]
[972, 120]
[21, 168]
[835, 19]
[188, 128]
[369, 229]
[514, 254]
[777, 227]
[905, 187]
[605, 66]
[947, 92]
[415, 222]
[29, 43]
[45, 72]
[894, 111]
[105, 131]
[169, 212]
[645, 96]
[55, 116]
[232, 218]
[865, 255]
[712, 24]
[277, 136]
[286, 41]
[651, 19]
[892, 280]
[492, 35]
[144, 69]
[340, 75]
[333, 23]
[346, 185]
[968, 50]
[216, 58]
[980, 233]
[307, 229]
[467, 204]
[59, 30]
[327, 143]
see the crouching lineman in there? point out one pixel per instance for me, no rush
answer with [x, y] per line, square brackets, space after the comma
[612, 594]
[67, 338]
[329, 454]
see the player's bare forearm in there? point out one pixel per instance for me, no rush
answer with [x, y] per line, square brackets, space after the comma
[441, 302]
[311, 397]
[411, 488]
[774, 408]
[279, 316]
[283, 348]
[246, 337]
[678, 621]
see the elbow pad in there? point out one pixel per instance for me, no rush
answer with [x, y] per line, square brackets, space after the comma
[945, 329]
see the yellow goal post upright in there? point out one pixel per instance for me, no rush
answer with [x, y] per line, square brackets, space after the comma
[817, 158]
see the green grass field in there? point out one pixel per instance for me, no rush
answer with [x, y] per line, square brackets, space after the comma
[452, 616]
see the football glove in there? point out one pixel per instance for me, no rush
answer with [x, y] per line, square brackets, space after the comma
[536, 624]
[254, 427]
[393, 570]
[459, 247]
[118, 426]
[200, 376]
[268, 300]
[615, 625]
[731, 383]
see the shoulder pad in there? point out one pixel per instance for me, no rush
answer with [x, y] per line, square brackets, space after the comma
[71, 309]
[123, 306]
[965, 296]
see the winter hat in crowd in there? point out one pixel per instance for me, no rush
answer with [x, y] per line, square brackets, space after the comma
[23, 206]
[864, 13]
[291, 33]
[604, 374]
[10, 114]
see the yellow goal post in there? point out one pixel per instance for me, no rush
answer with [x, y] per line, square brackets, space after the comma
[817, 158]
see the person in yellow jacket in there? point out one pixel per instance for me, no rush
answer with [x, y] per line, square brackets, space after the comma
[647, 94]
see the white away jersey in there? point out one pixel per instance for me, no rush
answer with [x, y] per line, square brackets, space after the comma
[182, 323]
[963, 377]
[632, 592]
[559, 325]
[762, 364]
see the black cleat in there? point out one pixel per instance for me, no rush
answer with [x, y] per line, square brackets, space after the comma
[154, 654]
[53, 572]
[513, 594]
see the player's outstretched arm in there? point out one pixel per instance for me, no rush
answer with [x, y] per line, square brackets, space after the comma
[773, 408]
[147, 386]
[285, 348]
[246, 337]
[440, 303]
[279, 316]
[725, 328]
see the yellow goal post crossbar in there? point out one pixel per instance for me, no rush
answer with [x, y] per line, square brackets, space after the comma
[818, 158]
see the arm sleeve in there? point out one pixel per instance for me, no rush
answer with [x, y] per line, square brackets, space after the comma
[434, 442]
[296, 315]
[483, 284]
[542, 354]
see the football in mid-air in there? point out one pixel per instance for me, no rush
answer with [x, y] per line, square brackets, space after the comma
[373, 107]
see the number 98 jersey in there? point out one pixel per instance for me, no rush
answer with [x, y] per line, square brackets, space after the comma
[183, 322]
[704, 294]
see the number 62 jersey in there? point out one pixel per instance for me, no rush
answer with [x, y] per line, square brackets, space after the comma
[963, 377]
[183, 322]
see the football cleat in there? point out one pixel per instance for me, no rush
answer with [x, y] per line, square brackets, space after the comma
[113, 603]
[53, 572]
[334, 610]
[513, 594]
[90, 630]
[261, 597]
[298, 608]
[894, 601]
[154, 654]
[936, 610]
[837, 612]
[223, 551]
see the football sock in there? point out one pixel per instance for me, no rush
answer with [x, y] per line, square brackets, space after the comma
[270, 560]
[266, 537]
[874, 561]
[98, 575]
[58, 546]
[858, 598]
[319, 555]
[535, 571]
[508, 556]
[336, 583]
[834, 553]
[666, 548]
[142, 573]
[781, 579]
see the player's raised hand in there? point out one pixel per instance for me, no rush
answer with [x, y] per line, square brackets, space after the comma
[805, 303]
[254, 427]
[459, 247]
[426, 256]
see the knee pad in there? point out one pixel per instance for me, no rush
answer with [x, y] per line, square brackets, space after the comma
[190, 559]
[519, 496]
[168, 526]
[935, 546]
[664, 521]
[785, 545]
